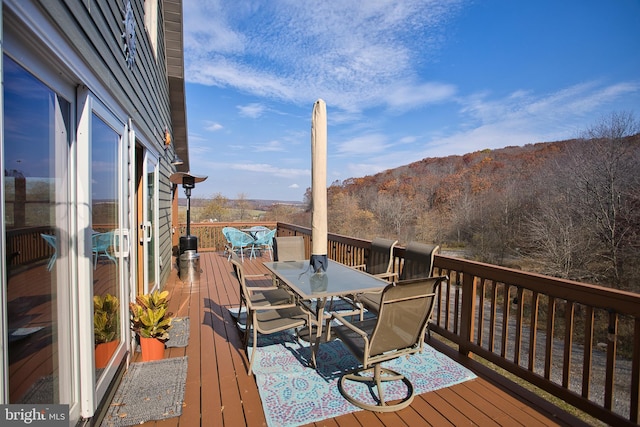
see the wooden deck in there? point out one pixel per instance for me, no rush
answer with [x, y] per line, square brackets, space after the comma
[220, 393]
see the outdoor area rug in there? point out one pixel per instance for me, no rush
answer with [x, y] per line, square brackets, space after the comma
[292, 393]
[179, 332]
[148, 391]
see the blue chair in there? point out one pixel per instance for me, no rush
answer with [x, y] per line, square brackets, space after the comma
[101, 244]
[51, 240]
[239, 241]
[266, 241]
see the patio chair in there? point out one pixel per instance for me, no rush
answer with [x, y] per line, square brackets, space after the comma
[379, 263]
[289, 248]
[101, 245]
[264, 317]
[405, 309]
[259, 295]
[380, 260]
[51, 241]
[418, 260]
[225, 233]
[264, 241]
[418, 263]
[238, 241]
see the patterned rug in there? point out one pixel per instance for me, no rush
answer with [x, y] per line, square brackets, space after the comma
[293, 394]
[148, 391]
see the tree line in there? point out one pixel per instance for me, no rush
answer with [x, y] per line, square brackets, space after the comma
[569, 209]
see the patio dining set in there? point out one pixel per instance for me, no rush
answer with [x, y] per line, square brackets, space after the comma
[382, 314]
[254, 239]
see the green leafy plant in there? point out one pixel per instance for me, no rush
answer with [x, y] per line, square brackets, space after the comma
[149, 316]
[105, 318]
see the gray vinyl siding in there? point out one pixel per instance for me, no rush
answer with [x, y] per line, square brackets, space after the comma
[95, 30]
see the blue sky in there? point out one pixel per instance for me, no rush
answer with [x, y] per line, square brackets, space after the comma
[403, 80]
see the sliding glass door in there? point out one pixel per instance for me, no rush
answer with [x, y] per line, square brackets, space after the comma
[38, 221]
[149, 223]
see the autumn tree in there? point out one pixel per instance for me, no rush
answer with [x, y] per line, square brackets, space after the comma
[346, 217]
[280, 212]
[216, 209]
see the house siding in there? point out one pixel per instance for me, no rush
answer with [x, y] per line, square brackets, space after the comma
[150, 96]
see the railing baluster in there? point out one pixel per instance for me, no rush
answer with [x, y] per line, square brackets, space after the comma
[518, 339]
[568, 343]
[480, 327]
[587, 351]
[635, 374]
[551, 318]
[494, 309]
[506, 314]
[612, 334]
[533, 330]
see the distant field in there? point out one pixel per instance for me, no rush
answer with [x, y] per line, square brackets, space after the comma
[251, 214]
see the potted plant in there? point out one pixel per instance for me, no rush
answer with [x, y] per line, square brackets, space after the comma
[105, 327]
[151, 321]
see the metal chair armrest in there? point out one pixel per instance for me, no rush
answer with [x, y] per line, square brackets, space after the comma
[348, 324]
[387, 276]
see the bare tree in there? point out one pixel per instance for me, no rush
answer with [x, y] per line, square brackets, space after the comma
[556, 240]
[605, 178]
[243, 205]
[395, 213]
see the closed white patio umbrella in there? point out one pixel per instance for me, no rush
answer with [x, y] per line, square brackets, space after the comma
[319, 261]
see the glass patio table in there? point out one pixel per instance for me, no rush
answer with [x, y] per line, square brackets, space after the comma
[338, 281]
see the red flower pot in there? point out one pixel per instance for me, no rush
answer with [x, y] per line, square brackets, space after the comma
[152, 349]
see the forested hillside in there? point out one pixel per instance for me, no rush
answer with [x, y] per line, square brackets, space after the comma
[570, 209]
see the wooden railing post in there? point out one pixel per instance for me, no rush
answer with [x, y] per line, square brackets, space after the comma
[467, 316]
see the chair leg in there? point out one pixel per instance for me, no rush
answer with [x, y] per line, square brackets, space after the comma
[52, 261]
[238, 318]
[378, 379]
[253, 350]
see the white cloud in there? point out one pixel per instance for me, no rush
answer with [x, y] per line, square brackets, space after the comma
[213, 126]
[269, 146]
[410, 96]
[363, 145]
[268, 169]
[251, 110]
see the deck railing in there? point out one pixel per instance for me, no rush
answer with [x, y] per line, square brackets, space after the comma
[578, 342]
[26, 246]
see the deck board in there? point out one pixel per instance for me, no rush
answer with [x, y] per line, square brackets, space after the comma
[220, 393]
